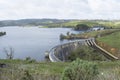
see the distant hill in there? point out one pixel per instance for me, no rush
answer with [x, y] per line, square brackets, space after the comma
[60, 22]
[30, 22]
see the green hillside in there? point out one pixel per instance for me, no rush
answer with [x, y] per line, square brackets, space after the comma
[59, 23]
[90, 23]
[112, 39]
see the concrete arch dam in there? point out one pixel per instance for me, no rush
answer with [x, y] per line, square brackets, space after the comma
[59, 53]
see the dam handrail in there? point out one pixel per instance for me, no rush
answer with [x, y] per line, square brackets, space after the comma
[104, 50]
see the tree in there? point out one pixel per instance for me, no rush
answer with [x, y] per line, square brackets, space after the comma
[81, 27]
[68, 33]
[9, 53]
[62, 36]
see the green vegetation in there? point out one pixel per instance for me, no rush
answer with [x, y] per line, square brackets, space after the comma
[110, 43]
[27, 76]
[113, 24]
[109, 70]
[29, 60]
[90, 23]
[38, 67]
[99, 33]
[81, 27]
[112, 39]
[90, 34]
[76, 22]
[17, 69]
[21, 69]
[99, 70]
[86, 53]
[60, 23]
[80, 70]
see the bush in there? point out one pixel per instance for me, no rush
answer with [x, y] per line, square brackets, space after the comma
[29, 60]
[27, 76]
[86, 53]
[62, 36]
[80, 70]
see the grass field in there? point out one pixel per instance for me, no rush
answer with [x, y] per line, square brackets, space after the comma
[108, 70]
[15, 70]
[40, 67]
[112, 39]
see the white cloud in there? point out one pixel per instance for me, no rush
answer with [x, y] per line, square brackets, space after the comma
[104, 5]
[79, 9]
[105, 8]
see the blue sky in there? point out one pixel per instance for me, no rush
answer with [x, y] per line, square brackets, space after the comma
[61, 9]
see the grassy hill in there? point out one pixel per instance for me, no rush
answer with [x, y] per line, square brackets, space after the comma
[30, 22]
[111, 43]
[59, 23]
[90, 23]
[112, 39]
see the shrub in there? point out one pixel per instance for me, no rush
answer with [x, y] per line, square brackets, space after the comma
[80, 70]
[62, 36]
[29, 60]
[27, 76]
[86, 53]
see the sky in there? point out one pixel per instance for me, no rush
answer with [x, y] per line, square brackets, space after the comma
[59, 9]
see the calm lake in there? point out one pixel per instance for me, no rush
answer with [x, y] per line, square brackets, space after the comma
[31, 41]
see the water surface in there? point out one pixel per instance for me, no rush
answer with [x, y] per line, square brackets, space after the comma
[30, 41]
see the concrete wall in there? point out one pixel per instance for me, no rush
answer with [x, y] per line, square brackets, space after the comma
[60, 52]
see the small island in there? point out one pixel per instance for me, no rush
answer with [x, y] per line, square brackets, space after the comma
[2, 33]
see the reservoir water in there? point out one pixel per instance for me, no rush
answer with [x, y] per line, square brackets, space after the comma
[30, 41]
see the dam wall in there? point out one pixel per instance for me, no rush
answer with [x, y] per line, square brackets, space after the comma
[59, 53]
